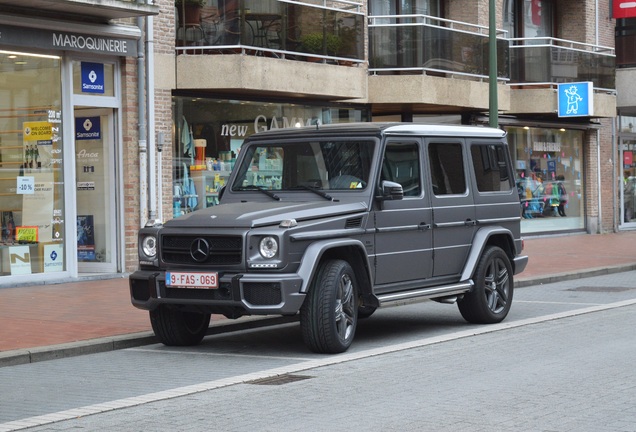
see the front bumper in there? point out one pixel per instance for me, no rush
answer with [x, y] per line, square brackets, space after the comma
[253, 294]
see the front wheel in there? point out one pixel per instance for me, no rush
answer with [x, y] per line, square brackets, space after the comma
[491, 297]
[329, 315]
[174, 327]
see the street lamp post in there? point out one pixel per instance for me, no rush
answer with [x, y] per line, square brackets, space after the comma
[493, 119]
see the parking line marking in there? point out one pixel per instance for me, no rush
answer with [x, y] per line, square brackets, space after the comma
[558, 303]
[218, 354]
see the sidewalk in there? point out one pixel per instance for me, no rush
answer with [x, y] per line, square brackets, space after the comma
[49, 321]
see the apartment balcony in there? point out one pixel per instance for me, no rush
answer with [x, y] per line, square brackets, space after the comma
[307, 49]
[434, 64]
[440, 65]
[539, 64]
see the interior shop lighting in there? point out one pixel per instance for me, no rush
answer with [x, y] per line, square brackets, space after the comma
[14, 53]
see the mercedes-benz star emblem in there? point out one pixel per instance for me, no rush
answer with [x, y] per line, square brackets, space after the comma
[199, 250]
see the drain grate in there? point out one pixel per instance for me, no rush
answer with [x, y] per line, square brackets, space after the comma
[279, 380]
[600, 289]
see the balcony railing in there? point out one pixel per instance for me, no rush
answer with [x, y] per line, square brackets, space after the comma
[325, 31]
[422, 43]
[549, 61]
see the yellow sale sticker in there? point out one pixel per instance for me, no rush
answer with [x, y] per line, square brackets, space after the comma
[27, 234]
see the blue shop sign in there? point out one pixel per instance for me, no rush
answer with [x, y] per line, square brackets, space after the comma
[576, 99]
[92, 77]
[88, 128]
[552, 166]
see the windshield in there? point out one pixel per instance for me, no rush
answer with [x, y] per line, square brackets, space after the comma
[317, 165]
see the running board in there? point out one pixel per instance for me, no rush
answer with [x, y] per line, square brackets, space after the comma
[438, 291]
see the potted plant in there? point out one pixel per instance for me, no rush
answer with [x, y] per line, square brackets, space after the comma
[315, 43]
[189, 11]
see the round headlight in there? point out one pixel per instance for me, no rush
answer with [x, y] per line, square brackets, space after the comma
[149, 246]
[268, 247]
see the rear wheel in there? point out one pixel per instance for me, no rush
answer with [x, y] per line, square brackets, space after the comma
[490, 300]
[174, 327]
[329, 315]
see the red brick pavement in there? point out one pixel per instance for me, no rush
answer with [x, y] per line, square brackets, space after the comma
[42, 315]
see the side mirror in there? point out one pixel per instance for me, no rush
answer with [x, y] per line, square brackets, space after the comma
[391, 191]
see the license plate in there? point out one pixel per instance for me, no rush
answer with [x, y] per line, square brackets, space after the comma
[192, 280]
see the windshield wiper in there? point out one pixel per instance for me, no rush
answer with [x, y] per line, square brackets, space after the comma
[314, 190]
[259, 188]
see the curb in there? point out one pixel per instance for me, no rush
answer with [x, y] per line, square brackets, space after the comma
[567, 276]
[131, 340]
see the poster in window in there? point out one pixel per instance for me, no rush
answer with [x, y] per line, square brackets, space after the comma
[85, 238]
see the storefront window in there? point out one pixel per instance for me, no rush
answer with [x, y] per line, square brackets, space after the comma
[210, 132]
[627, 187]
[549, 178]
[93, 79]
[31, 155]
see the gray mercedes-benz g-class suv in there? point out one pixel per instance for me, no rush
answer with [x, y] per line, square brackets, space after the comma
[334, 221]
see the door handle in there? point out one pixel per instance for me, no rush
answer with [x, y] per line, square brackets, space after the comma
[424, 226]
[470, 222]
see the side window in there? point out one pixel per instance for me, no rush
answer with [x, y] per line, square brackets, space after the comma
[401, 164]
[447, 168]
[491, 168]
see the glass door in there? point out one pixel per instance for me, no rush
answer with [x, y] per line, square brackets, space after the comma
[628, 184]
[95, 190]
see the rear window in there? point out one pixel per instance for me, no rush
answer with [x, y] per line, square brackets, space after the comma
[492, 172]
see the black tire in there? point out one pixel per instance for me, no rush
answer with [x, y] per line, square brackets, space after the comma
[174, 327]
[490, 300]
[329, 315]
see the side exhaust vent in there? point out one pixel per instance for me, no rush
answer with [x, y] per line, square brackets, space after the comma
[353, 223]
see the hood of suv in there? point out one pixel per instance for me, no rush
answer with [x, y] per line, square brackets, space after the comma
[255, 214]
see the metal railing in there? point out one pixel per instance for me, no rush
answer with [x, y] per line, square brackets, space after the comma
[331, 4]
[411, 43]
[549, 61]
[320, 31]
[328, 32]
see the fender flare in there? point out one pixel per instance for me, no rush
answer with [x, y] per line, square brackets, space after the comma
[314, 253]
[479, 243]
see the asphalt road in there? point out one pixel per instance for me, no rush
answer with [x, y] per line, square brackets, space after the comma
[562, 361]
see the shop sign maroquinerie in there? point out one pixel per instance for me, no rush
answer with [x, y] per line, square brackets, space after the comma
[68, 41]
[262, 124]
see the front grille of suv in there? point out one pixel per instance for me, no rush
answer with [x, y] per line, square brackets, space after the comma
[224, 250]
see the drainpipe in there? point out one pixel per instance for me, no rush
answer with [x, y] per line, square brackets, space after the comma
[152, 175]
[141, 114]
[596, 37]
[598, 168]
[615, 178]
